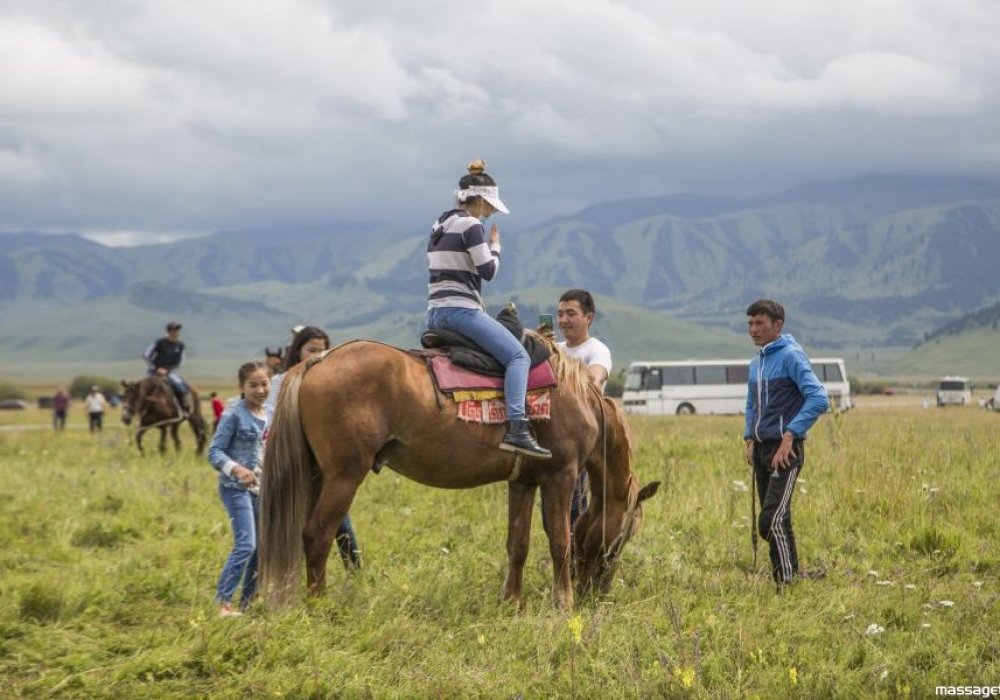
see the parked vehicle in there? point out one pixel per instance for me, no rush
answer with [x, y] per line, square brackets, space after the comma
[13, 404]
[713, 386]
[954, 391]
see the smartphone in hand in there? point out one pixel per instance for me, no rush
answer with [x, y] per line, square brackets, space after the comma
[545, 320]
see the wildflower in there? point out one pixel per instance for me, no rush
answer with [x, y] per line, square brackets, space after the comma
[946, 603]
[198, 620]
[885, 674]
[740, 485]
[977, 584]
[481, 639]
[910, 587]
[926, 626]
[874, 629]
[685, 676]
[793, 675]
[575, 625]
[885, 583]
[873, 573]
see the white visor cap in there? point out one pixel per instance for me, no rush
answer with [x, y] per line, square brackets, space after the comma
[490, 194]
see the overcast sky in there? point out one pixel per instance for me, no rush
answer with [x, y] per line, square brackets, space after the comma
[126, 117]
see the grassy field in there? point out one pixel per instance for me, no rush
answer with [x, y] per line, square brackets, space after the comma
[108, 565]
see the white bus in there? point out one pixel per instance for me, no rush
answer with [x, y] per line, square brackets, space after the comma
[712, 386]
[954, 391]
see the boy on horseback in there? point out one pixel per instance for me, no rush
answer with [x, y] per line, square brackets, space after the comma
[164, 357]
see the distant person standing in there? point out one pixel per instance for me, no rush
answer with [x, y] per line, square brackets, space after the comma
[784, 399]
[164, 356]
[576, 314]
[96, 406]
[218, 408]
[60, 406]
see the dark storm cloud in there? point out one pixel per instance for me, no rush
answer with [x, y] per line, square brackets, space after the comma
[183, 116]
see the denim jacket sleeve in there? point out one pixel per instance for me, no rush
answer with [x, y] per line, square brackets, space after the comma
[218, 455]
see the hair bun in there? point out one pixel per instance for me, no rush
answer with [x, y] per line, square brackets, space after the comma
[477, 167]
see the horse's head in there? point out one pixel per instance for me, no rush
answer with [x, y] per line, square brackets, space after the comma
[130, 400]
[601, 533]
[615, 513]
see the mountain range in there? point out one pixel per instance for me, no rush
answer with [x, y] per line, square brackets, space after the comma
[870, 262]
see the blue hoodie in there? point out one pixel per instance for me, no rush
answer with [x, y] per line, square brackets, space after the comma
[784, 394]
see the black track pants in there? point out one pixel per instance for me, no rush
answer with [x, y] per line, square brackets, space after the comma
[775, 488]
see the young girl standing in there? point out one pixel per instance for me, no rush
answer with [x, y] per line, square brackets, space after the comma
[236, 453]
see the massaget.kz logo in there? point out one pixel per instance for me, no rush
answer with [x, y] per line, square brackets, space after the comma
[969, 691]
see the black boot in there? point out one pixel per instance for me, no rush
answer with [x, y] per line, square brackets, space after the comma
[520, 440]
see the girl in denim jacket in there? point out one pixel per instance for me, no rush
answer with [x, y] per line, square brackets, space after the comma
[236, 453]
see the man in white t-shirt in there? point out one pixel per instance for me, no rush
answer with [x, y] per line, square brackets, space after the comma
[576, 313]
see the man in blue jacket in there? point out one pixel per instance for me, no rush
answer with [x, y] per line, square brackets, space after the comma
[784, 399]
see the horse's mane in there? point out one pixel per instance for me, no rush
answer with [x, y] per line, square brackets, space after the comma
[570, 372]
[616, 416]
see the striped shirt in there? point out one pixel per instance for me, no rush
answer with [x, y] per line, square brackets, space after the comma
[458, 260]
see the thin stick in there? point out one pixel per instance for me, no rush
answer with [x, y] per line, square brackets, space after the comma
[753, 514]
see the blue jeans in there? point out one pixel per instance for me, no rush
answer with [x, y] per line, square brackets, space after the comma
[347, 543]
[242, 562]
[494, 338]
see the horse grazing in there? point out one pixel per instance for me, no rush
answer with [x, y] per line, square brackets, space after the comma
[152, 401]
[366, 405]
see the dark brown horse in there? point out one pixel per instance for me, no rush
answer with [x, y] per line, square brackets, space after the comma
[152, 401]
[366, 404]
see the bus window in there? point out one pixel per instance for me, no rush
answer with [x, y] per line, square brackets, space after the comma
[710, 374]
[635, 378]
[828, 372]
[653, 381]
[737, 374]
[953, 385]
[678, 376]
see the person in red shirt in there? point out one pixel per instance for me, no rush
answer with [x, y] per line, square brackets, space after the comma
[218, 408]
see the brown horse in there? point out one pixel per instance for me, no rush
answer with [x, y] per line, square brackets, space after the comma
[366, 405]
[152, 400]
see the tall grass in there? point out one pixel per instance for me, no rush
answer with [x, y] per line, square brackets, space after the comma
[108, 564]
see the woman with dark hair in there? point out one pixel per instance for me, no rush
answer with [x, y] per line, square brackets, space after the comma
[310, 341]
[459, 258]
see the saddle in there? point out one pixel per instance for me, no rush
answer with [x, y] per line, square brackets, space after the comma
[464, 351]
[474, 379]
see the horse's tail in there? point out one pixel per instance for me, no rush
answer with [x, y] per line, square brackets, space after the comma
[286, 495]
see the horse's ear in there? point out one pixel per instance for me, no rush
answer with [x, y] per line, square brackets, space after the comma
[648, 490]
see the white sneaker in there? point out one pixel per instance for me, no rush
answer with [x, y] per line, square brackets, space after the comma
[227, 611]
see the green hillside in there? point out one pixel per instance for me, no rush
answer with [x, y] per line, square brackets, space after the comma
[108, 336]
[872, 263]
[974, 353]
